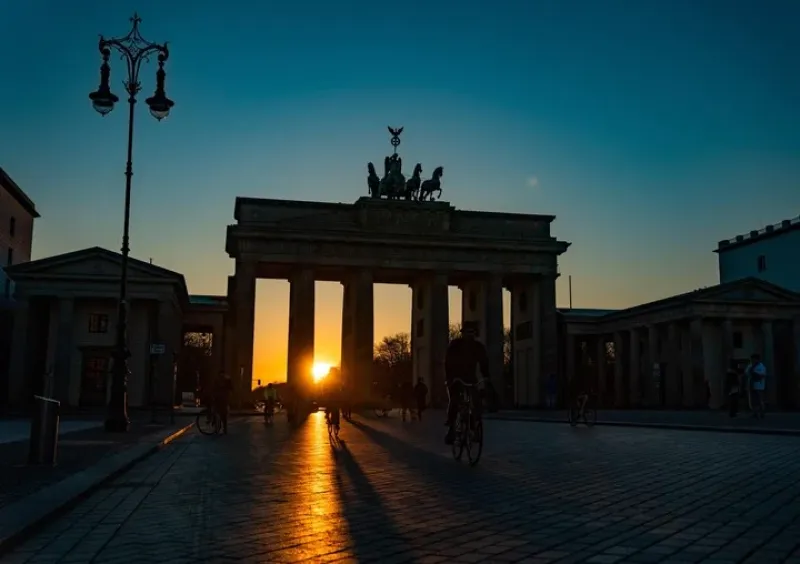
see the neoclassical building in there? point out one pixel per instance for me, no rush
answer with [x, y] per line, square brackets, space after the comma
[64, 329]
[675, 352]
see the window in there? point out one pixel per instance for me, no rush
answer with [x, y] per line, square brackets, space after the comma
[738, 341]
[98, 323]
[523, 302]
[12, 226]
[10, 257]
[762, 263]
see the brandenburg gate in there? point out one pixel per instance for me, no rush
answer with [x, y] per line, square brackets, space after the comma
[398, 235]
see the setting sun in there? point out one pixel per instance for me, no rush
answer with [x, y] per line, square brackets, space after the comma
[320, 370]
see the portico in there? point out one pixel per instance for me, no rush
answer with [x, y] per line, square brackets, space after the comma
[425, 245]
[675, 352]
[64, 323]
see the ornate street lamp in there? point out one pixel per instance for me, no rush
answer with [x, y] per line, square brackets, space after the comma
[134, 50]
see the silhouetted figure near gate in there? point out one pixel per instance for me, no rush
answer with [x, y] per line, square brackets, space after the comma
[464, 355]
[222, 398]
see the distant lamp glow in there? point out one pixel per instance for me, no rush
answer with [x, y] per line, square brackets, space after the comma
[320, 370]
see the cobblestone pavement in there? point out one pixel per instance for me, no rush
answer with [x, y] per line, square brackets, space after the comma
[719, 419]
[390, 492]
[77, 451]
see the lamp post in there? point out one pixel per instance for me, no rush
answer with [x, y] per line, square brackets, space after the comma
[134, 50]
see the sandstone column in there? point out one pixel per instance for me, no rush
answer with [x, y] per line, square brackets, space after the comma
[671, 384]
[720, 386]
[652, 373]
[600, 355]
[358, 323]
[18, 366]
[768, 358]
[526, 341]
[64, 350]
[619, 370]
[301, 330]
[712, 367]
[482, 304]
[430, 323]
[549, 328]
[635, 369]
[567, 381]
[695, 377]
[494, 332]
[245, 303]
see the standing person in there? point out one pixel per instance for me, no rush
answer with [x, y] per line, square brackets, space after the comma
[757, 376]
[421, 395]
[551, 391]
[733, 392]
[465, 355]
[222, 397]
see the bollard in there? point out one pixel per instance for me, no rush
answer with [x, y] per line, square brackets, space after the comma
[44, 431]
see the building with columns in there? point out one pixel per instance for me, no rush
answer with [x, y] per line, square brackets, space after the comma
[428, 246]
[673, 352]
[65, 320]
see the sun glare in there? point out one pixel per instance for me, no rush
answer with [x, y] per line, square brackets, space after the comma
[320, 370]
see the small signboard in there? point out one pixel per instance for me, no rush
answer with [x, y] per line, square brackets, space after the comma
[157, 348]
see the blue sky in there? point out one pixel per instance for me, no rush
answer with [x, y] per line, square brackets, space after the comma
[652, 129]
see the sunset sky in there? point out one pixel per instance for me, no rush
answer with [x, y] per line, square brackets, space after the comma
[651, 129]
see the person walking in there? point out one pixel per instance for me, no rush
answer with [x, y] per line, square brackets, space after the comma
[757, 376]
[222, 398]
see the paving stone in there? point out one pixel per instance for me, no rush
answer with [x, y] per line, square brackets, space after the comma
[391, 492]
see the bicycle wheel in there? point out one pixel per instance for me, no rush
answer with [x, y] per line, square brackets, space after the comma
[458, 438]
[573, 417]
[207, 423]
[476, 443]
[590, 416]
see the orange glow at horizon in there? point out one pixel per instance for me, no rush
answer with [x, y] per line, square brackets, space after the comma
[320, 370]
[270, 346]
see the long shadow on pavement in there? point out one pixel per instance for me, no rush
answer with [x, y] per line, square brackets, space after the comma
[371, 528]
[463, 485]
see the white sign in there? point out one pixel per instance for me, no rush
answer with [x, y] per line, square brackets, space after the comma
[158, 349]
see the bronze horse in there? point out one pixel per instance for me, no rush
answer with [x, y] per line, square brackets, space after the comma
[434, 184]
[413, 184]
[373, 182]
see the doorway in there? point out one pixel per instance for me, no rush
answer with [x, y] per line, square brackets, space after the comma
[95, 367]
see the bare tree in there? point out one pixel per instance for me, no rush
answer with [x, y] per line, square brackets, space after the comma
[392, 361]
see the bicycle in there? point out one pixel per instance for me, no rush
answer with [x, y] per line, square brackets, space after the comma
[468, 426]
[587, 414]
[381, 412]
[269, 414]
[208, 422]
